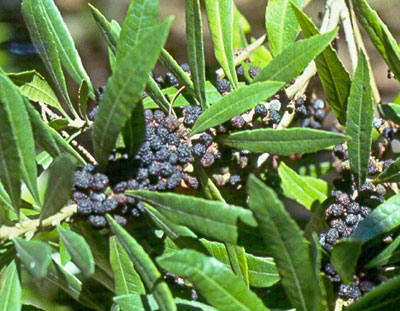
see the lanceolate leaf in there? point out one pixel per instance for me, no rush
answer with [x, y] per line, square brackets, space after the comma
[58, 190]
[83, 97]
[220, 22]
[381, 298]
[22, 132]
[213, 219]
[106, 28]
[334, 77]
[33, 86]
[287, 65]
[305, 190]
[383, 219]
[44, 41]
[35, 255]
[134, 130]
[379, 35]
[345, 254]
[194, 37]
[127, 281]
[282, 26]
[285, 241]
[78, 249]
[145, 267]
[392, 173]
[140, 19]
[391, 254]
[235, 103]
[283, 142]
[218, 285]
[157, 95]
[124, 90]
[65, 44]
[360, 114]
[10, 296]
[390, 111]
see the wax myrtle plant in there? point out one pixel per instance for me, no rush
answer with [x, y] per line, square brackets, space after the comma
[178, 199]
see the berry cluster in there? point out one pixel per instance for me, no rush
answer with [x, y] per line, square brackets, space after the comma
[312, 115]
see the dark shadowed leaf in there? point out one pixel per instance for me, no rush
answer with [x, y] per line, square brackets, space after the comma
[360, 114]
[283, 142]
[391, 174]
[390, 255]
[235, 103]
[383, 219]
[217, 284]
[41, 131]
[13, 105]
[282, 26]
[78, 249]
[213, 219]
[35, 255]
[334, 77]
[194, 37]
[390, 111]
[83, 97]
[45, 42]
[384, 297]
[345, 254]
[127, 281]
[287, 65]
[285, 241]
[124, 90]
[145, 267]
[379, 35]
[134, 130]
[10, 296]
[220, 23]
[58, 190]
[305, 190]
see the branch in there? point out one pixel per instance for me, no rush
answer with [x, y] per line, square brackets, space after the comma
[31, 226]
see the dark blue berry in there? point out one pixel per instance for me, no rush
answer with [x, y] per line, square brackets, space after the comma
[183, 152]
[92, 113]
[173, 158]
[207, 160]
[147, 158]
[238, 122]
[162, 154]
[274, 117]
[142, 174]
[223, 86]
[234, 180]
[199, 149]
[154, 169]
[351, 219]
[100, 182]
[156, 143]
[174, 180]
[159, 116]
[171, 123]
[254, 71]
[332, 236]
[261, 110]
[85, 207]
[120, 187]
[82, 180]
[97, 221]
[98, 196]
[167, 169]
[148, 115]
[206, 139]
[173, 139]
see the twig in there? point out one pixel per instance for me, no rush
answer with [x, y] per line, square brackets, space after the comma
[30, 227]
[339, 304]
[175, 97]
[245, 54]
[349, 35]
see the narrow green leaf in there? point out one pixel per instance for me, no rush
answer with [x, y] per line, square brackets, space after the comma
[391, 254]
[22, 132]
[65, 146]
[195, 46]
[283, 142]
[124, 90]
[241, 27]
[218, 285]
[220, 23]
[83, 97]
[106, 29]
[140, 18]
[10, 296]
[390, 111]
[33, 86]
[360, 114]
[67, 51]
[145, 267]
[58, 190]
[379, 35]
[212, 219]
[157, 95]
[10, 172]
[384, 297]
[41, 132]
[282, 26]
[45, 43]
[334, 77]
[210, 189]
[391, 174]
[262, 271]
[285, 241]
[134, 130]
[35, 255]
[78, 249]
[345, 254]
[287, 65]
[383, 219]
[127, 281]
[304, 190]
[132, 302]
[235, 103]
